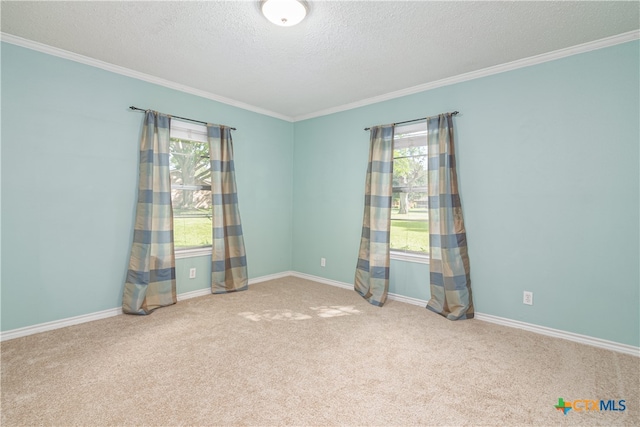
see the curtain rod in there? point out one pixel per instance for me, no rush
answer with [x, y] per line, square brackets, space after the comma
[178, 117]
[455, 113]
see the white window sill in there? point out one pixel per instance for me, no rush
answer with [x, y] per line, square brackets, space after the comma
[404, 256]
[190, 253]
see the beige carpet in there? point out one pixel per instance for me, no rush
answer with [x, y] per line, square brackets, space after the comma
[295, 352]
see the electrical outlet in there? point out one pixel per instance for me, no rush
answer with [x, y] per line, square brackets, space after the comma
[323, 262]
[527, 298]
[192, 273]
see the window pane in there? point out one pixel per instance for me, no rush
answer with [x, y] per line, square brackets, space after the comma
[410, 230]
[189, 163]
[409, 214]
[192, 232]
[191, 221]
[190, 193]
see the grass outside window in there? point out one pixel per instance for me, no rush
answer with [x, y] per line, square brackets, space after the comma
[192, 229]
[410, 232]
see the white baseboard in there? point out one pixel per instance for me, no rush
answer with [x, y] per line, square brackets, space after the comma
[193, 294]
[207, 291]
[322, 280]
[543, 330]
[349, 286]
[76, 320]
[270, 277]
[556, 333]
[57, 324]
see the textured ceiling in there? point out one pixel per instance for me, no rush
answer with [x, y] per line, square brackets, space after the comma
[343, 52]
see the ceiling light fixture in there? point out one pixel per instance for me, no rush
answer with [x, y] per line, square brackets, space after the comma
[285, 13]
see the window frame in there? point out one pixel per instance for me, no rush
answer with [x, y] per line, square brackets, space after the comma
[198, 133]
[402, 255]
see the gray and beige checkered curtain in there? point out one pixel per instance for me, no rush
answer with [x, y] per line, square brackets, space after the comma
[372, 272]
[229, 261]
[151, 277]
[449, 263]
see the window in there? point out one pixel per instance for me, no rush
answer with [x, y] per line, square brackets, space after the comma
[190, 170]
[410, 210]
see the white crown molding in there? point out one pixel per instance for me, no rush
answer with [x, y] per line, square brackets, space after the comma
[520, 63]
[489, 71]
[542, 330]
[61, 53]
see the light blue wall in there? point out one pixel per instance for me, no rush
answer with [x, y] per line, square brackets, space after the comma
[69, 176]
[548, 164]
[548, 169]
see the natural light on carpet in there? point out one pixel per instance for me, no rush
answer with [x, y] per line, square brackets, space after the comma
[284, 314]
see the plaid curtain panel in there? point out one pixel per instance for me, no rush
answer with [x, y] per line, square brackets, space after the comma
[372, 272]
[229, 261]
[151, 277]
[449, 264]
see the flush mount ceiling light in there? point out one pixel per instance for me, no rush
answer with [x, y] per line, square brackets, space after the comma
[285, 13]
